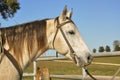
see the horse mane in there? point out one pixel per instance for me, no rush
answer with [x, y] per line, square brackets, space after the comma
[27, 33]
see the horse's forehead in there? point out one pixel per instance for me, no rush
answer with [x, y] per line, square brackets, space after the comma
[69, 26]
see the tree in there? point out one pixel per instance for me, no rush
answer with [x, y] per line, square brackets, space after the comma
[8, 8]
[107, 49]
[101, 49]
[94, 50]
[117, 48]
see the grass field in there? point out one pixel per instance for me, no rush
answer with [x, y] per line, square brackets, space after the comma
[70, 68]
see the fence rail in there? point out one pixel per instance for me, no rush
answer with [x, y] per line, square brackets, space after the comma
[106, 54]
[79, 77]
[96, 55]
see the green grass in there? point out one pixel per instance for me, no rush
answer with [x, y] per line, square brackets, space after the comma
[104, 69]
[71, 68]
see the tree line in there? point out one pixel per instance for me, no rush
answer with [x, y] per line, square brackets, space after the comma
[116, 47]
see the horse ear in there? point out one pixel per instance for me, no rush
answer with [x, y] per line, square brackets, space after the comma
[69, 14]
[64, 13]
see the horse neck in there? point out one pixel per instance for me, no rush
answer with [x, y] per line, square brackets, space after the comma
[25, 57]
[50, 32]
[19, 49]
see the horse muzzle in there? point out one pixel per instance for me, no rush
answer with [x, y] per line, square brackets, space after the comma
[80, 61]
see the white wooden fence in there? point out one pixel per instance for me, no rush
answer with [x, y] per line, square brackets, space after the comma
[96, 55]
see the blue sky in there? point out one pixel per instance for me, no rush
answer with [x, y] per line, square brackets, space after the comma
[97, 20]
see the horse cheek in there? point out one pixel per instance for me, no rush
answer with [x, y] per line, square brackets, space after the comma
[60, 46]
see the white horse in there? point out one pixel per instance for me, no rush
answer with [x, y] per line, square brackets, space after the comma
[21, 44]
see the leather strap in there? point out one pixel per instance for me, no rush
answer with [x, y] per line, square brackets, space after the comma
[14, 62]
[59, 28]
[3, 52]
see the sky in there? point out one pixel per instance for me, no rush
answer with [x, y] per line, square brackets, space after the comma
[98, 21]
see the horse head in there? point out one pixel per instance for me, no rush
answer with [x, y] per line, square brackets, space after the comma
[68, 41]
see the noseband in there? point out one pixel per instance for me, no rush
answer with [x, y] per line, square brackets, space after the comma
[72, 54]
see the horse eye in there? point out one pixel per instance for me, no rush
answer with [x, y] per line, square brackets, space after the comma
[71, 32]
[67, 18]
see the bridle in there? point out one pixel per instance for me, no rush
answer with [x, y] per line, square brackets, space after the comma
[72, 52]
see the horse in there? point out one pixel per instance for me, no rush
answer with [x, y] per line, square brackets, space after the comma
[23, 43]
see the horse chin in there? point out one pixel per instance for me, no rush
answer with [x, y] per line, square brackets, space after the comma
[75, 59]
[80, 62]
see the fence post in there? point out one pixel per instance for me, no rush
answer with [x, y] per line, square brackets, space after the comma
[34, 72]
[84, 74]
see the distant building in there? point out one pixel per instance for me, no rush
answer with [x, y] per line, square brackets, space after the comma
[116, 43]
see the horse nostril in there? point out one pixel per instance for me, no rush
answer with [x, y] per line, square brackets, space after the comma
[89, 58]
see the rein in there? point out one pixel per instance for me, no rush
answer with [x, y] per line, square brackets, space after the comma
[59, 28]
[14, 62]
[1, 48]
[89, 74]
[3, 52]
